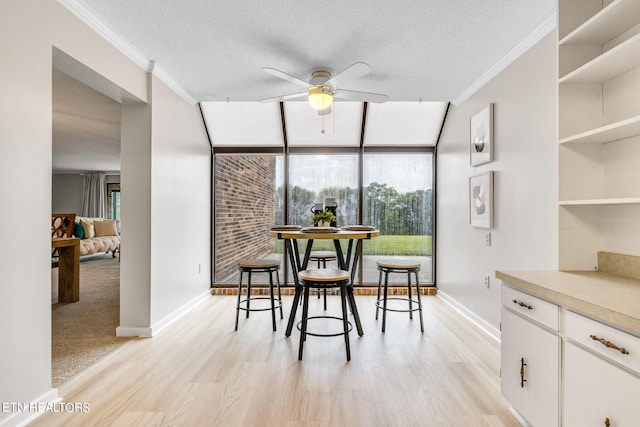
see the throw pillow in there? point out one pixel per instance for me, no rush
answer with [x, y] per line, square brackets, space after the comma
[89, 231]
[78, 231]
[105, 228]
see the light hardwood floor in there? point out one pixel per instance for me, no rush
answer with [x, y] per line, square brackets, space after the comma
[199, 372]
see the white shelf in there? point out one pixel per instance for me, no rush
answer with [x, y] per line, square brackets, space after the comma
[613, 20]
[619, 130]
[599, 179]
[617, 61]
[601, 202]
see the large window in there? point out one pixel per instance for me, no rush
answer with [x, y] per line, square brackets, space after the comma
[274, 161]
[315, 177]
[113, 201]
[246, 206]
[395, 191]
[398, 201]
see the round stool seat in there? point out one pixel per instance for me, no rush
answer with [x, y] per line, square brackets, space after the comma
[258, 263]
[259, 266]
[324, 278]
[399, 264]
[325, 275]
[394, 266]
[322, 255]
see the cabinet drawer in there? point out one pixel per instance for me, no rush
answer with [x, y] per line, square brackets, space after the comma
[532, 307]
[595, 390]
[587, 332]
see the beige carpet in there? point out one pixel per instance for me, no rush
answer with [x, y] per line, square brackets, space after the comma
[85, 331]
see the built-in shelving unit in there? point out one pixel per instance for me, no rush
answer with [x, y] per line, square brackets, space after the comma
[599, 130]
[619, 130]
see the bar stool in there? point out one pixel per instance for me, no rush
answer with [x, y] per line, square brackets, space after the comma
[322, 279]
[322, 257]
[259, 266]
[404, 267]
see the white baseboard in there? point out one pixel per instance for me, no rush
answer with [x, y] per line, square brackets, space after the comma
[22, 418]
[473, 318]
[148, 332]
[159, 326]
[130, 331]
[523, 422]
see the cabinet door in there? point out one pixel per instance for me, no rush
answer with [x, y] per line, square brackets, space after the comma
[595, 390]
[535, 352]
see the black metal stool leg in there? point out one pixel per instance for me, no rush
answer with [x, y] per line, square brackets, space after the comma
[419, 303]
[324, 265]
[303, 327]
[384, 305]
[239, 296]
[379, 286]
[292, 315]
[345, 322]
[409, 294]
[249, 295]
[279, 296]
[273, 307]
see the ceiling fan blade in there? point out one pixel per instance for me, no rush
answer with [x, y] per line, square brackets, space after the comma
[352, 72]
[354, 95]
[285, 76]
[284, 97]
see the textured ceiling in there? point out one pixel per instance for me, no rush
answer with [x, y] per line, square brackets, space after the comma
[429, 49]
[214, 50]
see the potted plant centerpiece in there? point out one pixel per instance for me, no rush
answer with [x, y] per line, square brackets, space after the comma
[323, 218]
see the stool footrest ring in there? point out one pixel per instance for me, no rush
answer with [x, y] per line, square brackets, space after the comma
[379, 304]
[315, 334]
[277, 304]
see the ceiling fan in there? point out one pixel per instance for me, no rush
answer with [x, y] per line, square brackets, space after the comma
[323, 87]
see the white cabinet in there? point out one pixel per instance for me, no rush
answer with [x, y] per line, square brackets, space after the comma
[560, 368]
[596, 391]
[530, 359]
[599, 129]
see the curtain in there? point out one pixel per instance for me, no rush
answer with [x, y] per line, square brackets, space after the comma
[94, 196]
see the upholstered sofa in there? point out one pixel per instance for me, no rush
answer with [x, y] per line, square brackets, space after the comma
[96, 235]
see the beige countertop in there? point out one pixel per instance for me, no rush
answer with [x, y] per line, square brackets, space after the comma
[602, 296]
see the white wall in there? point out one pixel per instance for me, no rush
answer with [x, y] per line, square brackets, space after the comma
[25, 186]
[525, 185]
[180, 205]
[29, 30]
[66, 193]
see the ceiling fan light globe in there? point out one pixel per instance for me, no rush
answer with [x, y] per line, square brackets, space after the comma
[320, 97]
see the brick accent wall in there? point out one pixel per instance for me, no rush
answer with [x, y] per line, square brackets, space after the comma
[244, 210]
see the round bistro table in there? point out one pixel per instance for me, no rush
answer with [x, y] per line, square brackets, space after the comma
[348, 261]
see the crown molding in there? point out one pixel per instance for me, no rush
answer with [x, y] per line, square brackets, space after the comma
[107, 32]
[547, 25]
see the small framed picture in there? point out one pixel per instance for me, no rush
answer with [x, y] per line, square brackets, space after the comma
[481, 141]
[481, 200]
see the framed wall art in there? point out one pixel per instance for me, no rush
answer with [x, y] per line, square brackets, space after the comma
[481, 200]
[481, 141]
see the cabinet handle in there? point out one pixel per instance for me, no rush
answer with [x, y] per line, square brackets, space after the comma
[607, 423]
[522, 365]
[609, 344]
[521, 304]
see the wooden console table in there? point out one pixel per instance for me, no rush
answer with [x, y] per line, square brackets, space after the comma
[68, 268]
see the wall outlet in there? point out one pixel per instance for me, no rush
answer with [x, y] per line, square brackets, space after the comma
[486, 280]
[487, 239]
